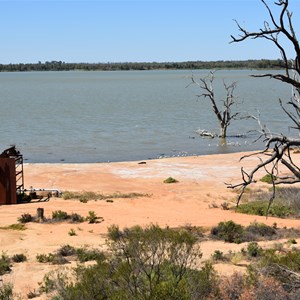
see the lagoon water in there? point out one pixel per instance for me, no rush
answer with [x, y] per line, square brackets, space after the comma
[129, 115]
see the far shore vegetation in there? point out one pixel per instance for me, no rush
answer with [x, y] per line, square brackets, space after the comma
[126, 66]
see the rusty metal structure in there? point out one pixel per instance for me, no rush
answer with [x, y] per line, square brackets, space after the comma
[11, 176]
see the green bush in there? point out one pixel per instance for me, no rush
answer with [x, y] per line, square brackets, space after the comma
[84, 254]
[25, 218]
[54, 259]
[6, 291]
[290, 259]
[253, 249]
[76, 218]
[260, 208]
[93, 218]
[268, 178]
[72, 232]
[142, 263]
[170, 180]
[17, 226]
[17, 258]
[218, 255]
[59, 215]
[66, 250]
[229, 232]
[45, 258]
[261, 229]
[4, 264]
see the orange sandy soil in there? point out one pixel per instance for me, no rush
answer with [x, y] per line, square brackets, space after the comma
[201, 182]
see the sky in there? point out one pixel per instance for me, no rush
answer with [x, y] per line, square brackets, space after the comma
[95, 31]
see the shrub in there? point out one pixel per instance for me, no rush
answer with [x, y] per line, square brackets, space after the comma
[260, 208]
[72, 232]
[4, 264]
[218, 255]
[142, 263]
[54, 259]
[229, 232]
[17, 258]
[93, 218]
[86, 196]
[59, 215]
[231, 287]
[268, 178]
[17, 226]
[6, 291]
[76, 218]
[266, 288]
[292, 242]
[66, 250]
[170, 180]
[253, 249]
[290, 259]
[33, 294]
[84, 254]
[45, 258]
[25, 218]
[260, 229]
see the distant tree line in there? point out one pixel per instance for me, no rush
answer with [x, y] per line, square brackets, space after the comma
[194, 65]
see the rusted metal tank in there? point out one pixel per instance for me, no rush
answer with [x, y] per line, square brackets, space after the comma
[11, 176]
[8, 193]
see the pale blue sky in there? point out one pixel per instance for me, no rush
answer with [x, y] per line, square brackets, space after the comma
[135, 31]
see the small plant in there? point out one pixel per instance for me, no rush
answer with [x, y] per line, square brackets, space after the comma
[292, 242]
[253, 249]
[92, 217]
[45, 258]
[218, 255]
[33, 294]
[6, 291]
[170, 180]
[17, 258]
[268, 178]
[72, 232]
[225, 206]
[76, 218]
[4, 264]
[66, 250]
[25, 218]
[59, 215]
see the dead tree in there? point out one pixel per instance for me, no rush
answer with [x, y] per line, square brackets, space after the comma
[278, 148]
[223, 113]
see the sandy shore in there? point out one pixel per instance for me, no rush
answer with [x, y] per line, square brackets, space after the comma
[201, 182]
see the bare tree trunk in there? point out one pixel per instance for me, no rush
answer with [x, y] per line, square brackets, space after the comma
[222, 112]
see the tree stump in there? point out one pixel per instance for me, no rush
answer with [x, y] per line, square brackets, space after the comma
[40, 214]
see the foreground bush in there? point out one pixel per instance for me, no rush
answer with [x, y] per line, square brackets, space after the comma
[150, 263]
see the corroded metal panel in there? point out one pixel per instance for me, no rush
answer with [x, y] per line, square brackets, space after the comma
[7, 181]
